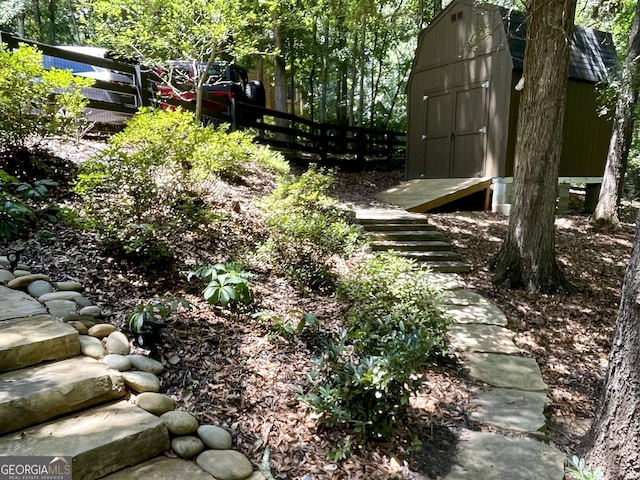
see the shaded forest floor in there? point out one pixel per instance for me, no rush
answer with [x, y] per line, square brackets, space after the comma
[238, 372]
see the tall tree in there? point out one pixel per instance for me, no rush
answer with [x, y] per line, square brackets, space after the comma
[613, 442]
[606, 212]
[526, 258]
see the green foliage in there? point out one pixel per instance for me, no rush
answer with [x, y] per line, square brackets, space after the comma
[394, 330]
[20, 205]
[307, 229]
[36, 103]
[155, 311]
[578, 469]
[227, 284]
[291, 324]
[149, 185]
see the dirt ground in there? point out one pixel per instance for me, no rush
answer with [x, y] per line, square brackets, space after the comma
[231, 370]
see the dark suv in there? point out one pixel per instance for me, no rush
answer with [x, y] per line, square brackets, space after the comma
[225, 80]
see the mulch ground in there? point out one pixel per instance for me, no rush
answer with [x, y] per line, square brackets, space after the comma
[233, 370]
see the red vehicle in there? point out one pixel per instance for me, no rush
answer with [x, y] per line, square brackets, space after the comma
[225, 80]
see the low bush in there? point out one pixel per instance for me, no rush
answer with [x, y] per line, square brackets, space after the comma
[228, 284]
[307, 229]
[394, 330]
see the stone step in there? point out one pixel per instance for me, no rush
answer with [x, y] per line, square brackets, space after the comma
[435, 256]
[390, 227]
[408, 236]
[448, 266]
[40, 393]
[17, 304]
[388, 216]
[100, 441]
[399, 245]
[39, 338]
[162, 468]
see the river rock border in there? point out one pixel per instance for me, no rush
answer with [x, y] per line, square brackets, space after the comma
[209, 445]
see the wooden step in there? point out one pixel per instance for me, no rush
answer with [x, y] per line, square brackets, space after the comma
[436, 256]
[387, 227]
[36, 339]
[408, 236]
[100, 441]
[388, 216]
[419, 245]
[37, 394]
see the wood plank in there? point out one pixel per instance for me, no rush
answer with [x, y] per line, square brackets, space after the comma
[424, 194]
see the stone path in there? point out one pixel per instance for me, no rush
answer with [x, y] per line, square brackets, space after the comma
[509, 396]
[64, 380]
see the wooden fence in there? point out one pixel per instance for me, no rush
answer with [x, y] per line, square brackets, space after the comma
[301, 140]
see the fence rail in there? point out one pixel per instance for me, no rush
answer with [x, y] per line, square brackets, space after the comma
[300, 139]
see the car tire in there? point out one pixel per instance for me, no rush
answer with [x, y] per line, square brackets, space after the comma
[255, 93]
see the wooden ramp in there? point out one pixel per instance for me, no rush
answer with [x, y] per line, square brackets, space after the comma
[424, 194]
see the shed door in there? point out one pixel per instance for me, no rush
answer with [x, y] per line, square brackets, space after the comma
[455, 136]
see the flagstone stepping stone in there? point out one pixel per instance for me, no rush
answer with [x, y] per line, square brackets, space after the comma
[215, 437]
[489, 456]
[513, 410]
[141, 381]
[187, 446]
[17, 304]
[146, 364]
[92, 347]
[161, 468]
[69, 285]
[487, 314]
[446, 281]
[24, 280]
[482, 338]
[504, 371]
[6, 276]
[58, 296]
[464, 297]
[156, 403]
[61, 308]
[102, 330]
[225, 464]
[39, 288]
[117, 342]
[117, 362]
[180, 423]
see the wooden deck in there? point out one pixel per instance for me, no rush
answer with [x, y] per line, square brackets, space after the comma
[424, 194]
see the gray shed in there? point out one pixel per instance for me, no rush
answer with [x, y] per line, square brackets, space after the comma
[463, 101]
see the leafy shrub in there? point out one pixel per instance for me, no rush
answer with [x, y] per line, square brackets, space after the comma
[394, 329]
[20, 205]
[307, 229]
[227, 284]
[155, 311]
[36, 103]
[147, 187]
[290, 324]
[578, 469]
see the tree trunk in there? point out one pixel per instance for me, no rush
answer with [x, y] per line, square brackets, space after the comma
[527, 256]
[37, 17]
[280, 67]
[51, 10]
[325, 75]
[613, 442]
[606, 212]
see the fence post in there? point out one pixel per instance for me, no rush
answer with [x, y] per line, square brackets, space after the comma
[323, 142]
[233, 113]
[142, 87]
[10, 40]
[360, 145]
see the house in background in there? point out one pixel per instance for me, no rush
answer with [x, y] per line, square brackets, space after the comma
[463, 98]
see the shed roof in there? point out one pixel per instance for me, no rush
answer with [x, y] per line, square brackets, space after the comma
[592, 51]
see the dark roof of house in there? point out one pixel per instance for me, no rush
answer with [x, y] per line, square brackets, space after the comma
[592, 51]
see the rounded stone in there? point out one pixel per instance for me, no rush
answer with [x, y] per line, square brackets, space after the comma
[24, 280]
[186, 447]
[83, 301]
[117, 362]
[58, 296]
[91, 347]
[102, 330]
[39, 287]
[6, 276]
[146, 364]
[156, 403]
[79, 326]
[225, 464]
[91, 310]
[117, 342]
[22, 272]
[61, 308]
[141, 381]
[215, 437]
[180, 423]
[69, 285]
[260, 476]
